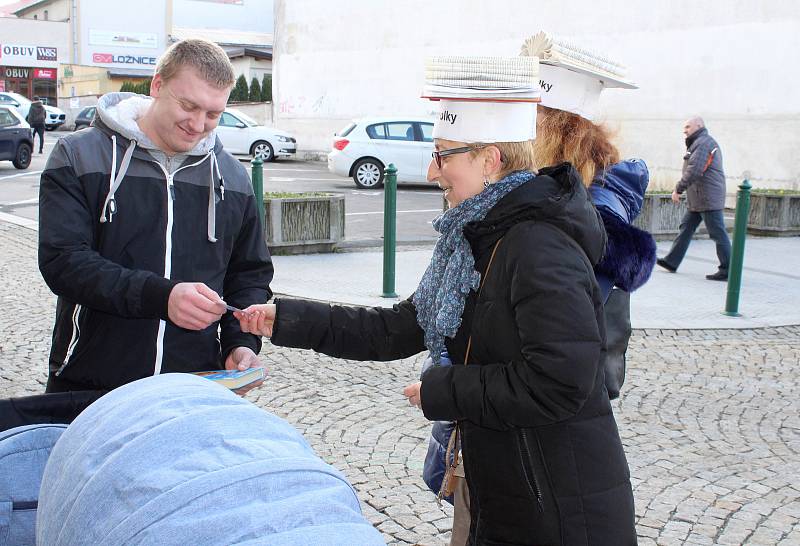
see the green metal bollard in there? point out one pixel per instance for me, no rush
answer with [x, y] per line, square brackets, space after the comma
[389, 229]
[258, 186]
[737, 252]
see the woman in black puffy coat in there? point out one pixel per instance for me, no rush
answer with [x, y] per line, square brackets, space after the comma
[542, 454]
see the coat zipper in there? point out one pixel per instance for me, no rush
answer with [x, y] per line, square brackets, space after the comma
[76, 335]
[530, 479]
[170, 186]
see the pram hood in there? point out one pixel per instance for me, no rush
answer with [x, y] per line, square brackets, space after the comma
[177, 459]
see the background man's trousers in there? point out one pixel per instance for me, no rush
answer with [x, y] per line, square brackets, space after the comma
[715, 224]
[39, 130]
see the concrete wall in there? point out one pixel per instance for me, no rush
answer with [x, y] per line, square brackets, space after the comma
[251, 67]
[261, 112]
[732, 61]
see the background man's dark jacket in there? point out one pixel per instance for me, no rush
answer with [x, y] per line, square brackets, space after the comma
[703, 182]
[37, 114]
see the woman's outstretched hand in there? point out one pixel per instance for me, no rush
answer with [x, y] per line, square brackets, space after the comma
[257, 319]
[414, 394]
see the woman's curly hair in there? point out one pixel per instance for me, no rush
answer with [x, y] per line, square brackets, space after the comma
[564, 136]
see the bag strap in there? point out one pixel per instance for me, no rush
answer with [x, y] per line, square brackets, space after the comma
[454, 444]
[480, 289]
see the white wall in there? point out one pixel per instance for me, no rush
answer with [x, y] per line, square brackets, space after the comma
[732, 61]
[252, 15]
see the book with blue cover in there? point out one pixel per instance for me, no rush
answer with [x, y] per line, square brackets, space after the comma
[234, 379]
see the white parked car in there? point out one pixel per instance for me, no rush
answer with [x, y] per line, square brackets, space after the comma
[241, 135]
[367, 145]
[55, 117]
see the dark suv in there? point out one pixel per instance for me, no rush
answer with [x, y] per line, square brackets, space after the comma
[16, 139]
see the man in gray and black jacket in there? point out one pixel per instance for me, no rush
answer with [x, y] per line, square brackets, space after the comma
[148, 228]
[37, 115]
[703, 181]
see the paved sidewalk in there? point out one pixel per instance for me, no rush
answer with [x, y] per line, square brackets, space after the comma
[770, 294]
[709, 417]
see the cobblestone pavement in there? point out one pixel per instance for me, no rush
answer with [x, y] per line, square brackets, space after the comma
[709, 419]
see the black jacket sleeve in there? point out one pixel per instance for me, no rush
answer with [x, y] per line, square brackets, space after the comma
[552, 294]
[68, 261]
[247, 280]
[356, 333]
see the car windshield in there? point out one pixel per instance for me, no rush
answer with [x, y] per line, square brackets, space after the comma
[14, 96]
[247, 120]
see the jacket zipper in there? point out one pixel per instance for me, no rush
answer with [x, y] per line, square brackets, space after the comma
[170, 186]
[530, 479]
[76, 335]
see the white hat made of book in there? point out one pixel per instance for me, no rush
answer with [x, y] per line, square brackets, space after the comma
[483, 99]
[571, 77]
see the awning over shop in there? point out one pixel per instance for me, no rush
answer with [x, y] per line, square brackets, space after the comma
[130, 73]
[263, 52]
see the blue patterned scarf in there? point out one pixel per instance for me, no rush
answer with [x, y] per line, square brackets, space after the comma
[451, 275]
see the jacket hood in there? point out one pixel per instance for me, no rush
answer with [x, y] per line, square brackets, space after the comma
[118, 112]
[620, 189]
[556, 196]
[117, 115]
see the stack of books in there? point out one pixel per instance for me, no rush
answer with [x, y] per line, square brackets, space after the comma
[552, 50]
[495, 79]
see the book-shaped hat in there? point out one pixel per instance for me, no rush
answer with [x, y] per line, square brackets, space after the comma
[572, 77]
[483, 99]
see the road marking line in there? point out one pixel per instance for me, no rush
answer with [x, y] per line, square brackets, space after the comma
[272, 170]
[19, 221]
[286, 179]
[398, 212]
[17, 203]
[29, 173]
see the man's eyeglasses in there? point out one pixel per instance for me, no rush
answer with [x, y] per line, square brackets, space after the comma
[437, 156]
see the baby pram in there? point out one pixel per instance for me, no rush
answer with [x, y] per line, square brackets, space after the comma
[29, 427]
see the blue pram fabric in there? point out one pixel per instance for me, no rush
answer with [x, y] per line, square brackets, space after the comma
[176, 459]
[24, 452]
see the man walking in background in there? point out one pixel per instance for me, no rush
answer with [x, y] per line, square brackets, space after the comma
[36, 117]
[703, 181]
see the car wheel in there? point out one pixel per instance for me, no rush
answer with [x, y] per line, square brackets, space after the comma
[23, 157]
[262, 150]
[368, 173]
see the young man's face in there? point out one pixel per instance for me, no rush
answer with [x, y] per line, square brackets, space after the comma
[185, 110]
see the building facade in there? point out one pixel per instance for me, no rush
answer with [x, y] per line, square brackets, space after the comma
[30, 54]
[103, 44]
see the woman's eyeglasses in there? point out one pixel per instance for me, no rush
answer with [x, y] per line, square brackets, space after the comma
[437, 156]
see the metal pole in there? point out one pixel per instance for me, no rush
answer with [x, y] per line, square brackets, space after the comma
[737, 253]
[389, 229]
[258, 186]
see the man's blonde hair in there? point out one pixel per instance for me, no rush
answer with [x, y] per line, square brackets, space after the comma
[207, 58]
[516, 156]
